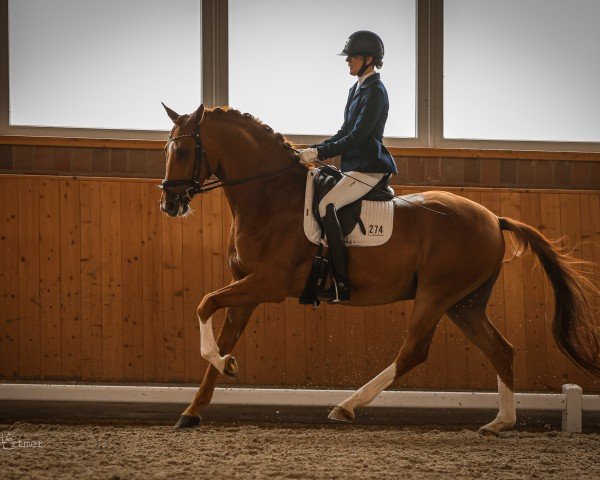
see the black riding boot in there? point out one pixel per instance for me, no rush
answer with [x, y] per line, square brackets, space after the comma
[340, 290]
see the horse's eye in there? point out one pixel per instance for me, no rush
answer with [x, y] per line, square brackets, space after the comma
[181, 153]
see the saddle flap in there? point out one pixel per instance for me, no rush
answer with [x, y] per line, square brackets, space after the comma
[349, 215]
[374, 226]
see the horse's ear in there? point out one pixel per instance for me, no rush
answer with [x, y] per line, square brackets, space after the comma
[172, 114]
[196, 117]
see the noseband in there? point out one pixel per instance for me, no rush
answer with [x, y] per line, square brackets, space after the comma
[193, 184]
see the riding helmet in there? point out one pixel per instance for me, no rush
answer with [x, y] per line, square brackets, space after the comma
[364, 42]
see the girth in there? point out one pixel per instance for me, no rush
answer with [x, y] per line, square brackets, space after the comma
[349, 215]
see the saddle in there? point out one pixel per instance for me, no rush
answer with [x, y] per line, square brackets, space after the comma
[349, 216]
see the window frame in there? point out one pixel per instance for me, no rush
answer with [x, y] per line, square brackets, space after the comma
[439, 141]
[66, 132]
[214, 50]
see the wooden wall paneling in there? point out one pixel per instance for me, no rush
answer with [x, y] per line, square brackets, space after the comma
[112, 293]
[193, 291]
[533, 293]
[276, 319]
[131, 264]
[29, 275]
[152, 280]
[50, 278]
[70, 285]
[255, 348]
[570, 213]
[294, 325]
[91, 279]
[103, 226]
[590, 250]
[495, 308]
[377, 356]
[335, 346]
[556, 361]
[316, 344]
[9, 280]
[356, 346]
[172, 284]
[514, 306]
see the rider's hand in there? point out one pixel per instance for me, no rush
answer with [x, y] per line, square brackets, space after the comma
[308, 155]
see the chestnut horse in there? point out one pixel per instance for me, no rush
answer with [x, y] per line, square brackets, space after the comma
[447, 264]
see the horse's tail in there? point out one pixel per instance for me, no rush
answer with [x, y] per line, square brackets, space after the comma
[573, 326]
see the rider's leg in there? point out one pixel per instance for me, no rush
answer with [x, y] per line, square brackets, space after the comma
[340, 288]
[347, 190]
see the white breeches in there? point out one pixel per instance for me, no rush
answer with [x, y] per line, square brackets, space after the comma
[347, 190]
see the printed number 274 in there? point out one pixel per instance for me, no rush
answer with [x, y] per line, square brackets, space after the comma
[375, 229]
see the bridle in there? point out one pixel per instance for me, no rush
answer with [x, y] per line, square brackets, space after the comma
[193, 184]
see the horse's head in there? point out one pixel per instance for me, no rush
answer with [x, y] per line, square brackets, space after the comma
[186, 168]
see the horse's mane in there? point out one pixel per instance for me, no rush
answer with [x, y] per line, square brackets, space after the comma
[237, 116]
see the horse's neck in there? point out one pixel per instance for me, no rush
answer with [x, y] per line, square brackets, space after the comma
[267, 197]
[243, 156]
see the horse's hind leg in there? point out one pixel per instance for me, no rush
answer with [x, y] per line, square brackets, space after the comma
[420, 329]
[469, 314]
[236, 320]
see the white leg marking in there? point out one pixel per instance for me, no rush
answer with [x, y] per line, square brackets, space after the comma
[208, 346]
[507, 413]
[365, 394]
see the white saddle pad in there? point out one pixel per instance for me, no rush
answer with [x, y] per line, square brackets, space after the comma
[377, 217]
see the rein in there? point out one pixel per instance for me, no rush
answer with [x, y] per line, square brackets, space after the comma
[193, 184]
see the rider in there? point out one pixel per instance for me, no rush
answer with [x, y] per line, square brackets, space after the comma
[365, 160]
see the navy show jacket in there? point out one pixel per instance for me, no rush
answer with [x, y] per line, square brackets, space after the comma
[360, 140]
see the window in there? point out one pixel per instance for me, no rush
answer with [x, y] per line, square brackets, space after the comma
[284, 68]
[516, 74]
[522, 70]
[102, 64]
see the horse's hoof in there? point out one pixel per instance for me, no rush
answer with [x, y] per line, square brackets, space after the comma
[340, 414]
[187, 421]
[498, 425]
[231, 367]
[488, 432]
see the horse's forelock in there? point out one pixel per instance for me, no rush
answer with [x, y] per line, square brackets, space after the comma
[182, 120]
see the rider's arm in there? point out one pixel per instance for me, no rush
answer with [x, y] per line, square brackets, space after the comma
[341, 133]
[367, 118]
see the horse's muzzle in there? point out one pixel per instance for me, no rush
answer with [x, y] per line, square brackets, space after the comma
[174, 208]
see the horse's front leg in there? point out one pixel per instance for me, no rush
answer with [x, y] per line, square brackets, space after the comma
[249, 291]
[236, 319]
